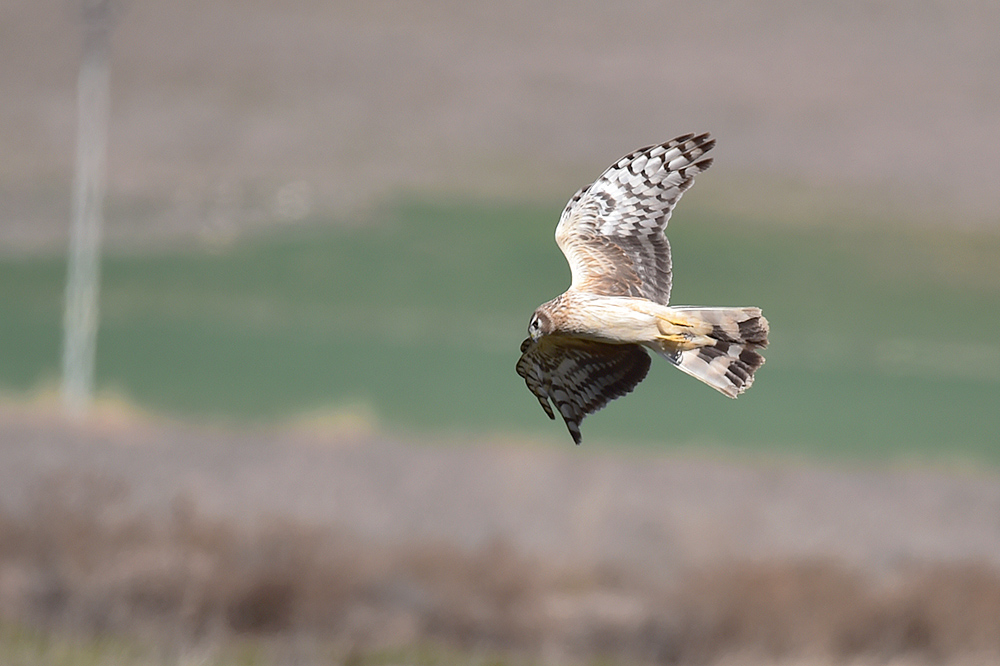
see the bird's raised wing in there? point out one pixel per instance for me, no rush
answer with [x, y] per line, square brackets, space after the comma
[612, 232]
[579, 376]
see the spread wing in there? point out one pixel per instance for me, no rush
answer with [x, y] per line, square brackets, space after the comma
[612, 232]
[579, 376]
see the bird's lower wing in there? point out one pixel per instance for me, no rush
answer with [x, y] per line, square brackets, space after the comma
[579, 376]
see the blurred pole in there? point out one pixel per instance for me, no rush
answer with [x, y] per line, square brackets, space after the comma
[80, 317]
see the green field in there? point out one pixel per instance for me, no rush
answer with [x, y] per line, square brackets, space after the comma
[884, 340]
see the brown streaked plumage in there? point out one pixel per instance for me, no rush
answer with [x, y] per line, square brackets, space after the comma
[580, 376]
[586, 346]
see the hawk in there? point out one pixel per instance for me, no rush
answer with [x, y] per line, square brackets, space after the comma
[587, 346]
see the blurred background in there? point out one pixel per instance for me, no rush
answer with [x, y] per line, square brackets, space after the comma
[325, 229]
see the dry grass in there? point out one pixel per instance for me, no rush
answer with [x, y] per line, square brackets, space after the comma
[78, 561]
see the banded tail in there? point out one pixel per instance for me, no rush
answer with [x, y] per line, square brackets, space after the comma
[716, 345]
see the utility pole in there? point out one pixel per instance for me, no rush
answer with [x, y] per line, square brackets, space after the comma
[80, 317]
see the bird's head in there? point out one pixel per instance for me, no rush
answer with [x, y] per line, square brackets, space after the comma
[539, 325]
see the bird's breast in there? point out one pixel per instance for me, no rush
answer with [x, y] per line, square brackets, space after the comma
[606, 318]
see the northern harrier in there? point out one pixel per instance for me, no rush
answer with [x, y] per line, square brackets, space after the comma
[586, 347]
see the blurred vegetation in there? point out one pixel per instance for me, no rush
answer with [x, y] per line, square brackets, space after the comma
[21, 646]
[86, 581]
[883, 336]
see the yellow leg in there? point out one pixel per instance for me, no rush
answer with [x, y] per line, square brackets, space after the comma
[683, 333]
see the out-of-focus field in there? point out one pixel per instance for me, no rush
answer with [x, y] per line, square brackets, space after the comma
[129, 539]
[227, 116]
[409, 321]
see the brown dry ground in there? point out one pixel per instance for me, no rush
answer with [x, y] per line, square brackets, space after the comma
[194, 535]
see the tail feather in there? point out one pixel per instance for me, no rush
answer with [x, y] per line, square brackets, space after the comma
[724, 352]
